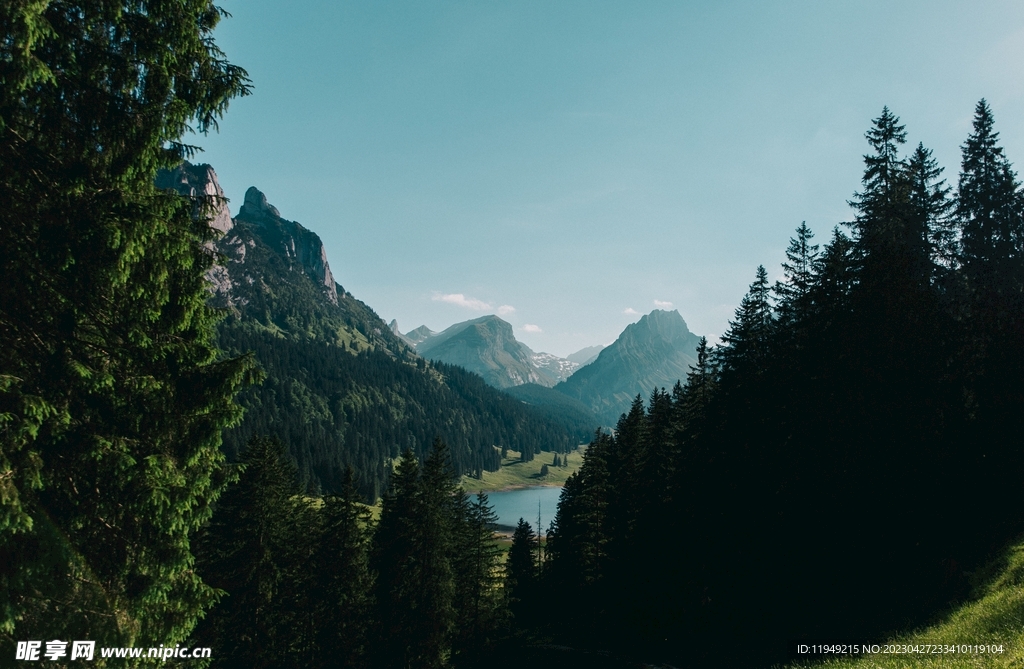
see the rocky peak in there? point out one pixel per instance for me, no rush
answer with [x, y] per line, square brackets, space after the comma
[299, 246]
[256, 205]
[199, 181]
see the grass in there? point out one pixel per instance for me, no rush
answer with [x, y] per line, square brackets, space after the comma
[996, 616]
[516, 474]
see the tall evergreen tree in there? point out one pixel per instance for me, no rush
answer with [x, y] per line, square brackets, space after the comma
[343, 579]
[930, 208]
[793, 293]
[112, 400]
[254, 550]
[394, 559]
[988, 207]
[521, 575]
[476, 562]
[880, 205]
[746, 344]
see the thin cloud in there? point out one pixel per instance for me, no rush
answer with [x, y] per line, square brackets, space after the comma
[662, 305]
[631, 311]
[529, 327]
[460, 300]
[506, 309]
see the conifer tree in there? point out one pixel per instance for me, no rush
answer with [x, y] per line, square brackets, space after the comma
[930, 208]
[112, 401]
[521, 574]
[881, 204]
[343, 579]
[746, 343]
[988, 207]
[438, 524]
[253, 550]
[412, 556]
[476, 561]
[394, 560]
[793, 293]
[695, 398]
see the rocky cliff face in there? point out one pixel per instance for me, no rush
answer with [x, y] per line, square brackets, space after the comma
[654, 352]
[199, 181]
[301, 247]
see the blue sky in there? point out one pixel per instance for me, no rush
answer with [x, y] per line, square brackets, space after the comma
[574, 164]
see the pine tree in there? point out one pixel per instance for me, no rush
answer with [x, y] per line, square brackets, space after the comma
[253, 550]
[412, 556]
[344, 584]
[988, 207]
[930, 208]
[476, 562]
[395, 562]
[793, 293]
[112, 400]
[696, 397]
[747, 342]
[881, 205]
[438, 524]
[521, 575]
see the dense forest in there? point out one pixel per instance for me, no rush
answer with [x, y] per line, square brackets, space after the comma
[837, 467]
[335, 409]
[311, 585]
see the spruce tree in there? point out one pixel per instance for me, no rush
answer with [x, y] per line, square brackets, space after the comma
[521, 575]
[793, 293]
[476, 562]
[412, 557]
[881, 204]
[112, 398]
[988, 207]
[253, 550]
[930, 209]
[344, 583]
[395, 562]
[746, 344]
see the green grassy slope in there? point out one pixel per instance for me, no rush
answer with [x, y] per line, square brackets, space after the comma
[516, 474]
[995, 617]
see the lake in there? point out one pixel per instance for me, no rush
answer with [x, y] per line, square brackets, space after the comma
[511, 505]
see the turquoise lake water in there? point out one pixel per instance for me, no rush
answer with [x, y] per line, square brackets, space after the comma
[512, 505]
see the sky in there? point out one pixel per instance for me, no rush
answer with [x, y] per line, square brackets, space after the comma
[572, 165]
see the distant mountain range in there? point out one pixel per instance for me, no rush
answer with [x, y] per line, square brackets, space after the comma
[487, 346]
[342, 388]
[655, 352]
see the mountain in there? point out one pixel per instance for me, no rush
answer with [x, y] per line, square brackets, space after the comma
[414, 337]
[654, 352]
[488, 347]
[342, 388]
[485, 346]
[551, 366]
[585, 356]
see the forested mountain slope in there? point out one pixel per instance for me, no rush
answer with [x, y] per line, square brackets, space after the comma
[342, 388]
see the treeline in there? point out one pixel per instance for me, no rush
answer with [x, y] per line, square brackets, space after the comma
[848, 455]
[337, 410]
[313, 583]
